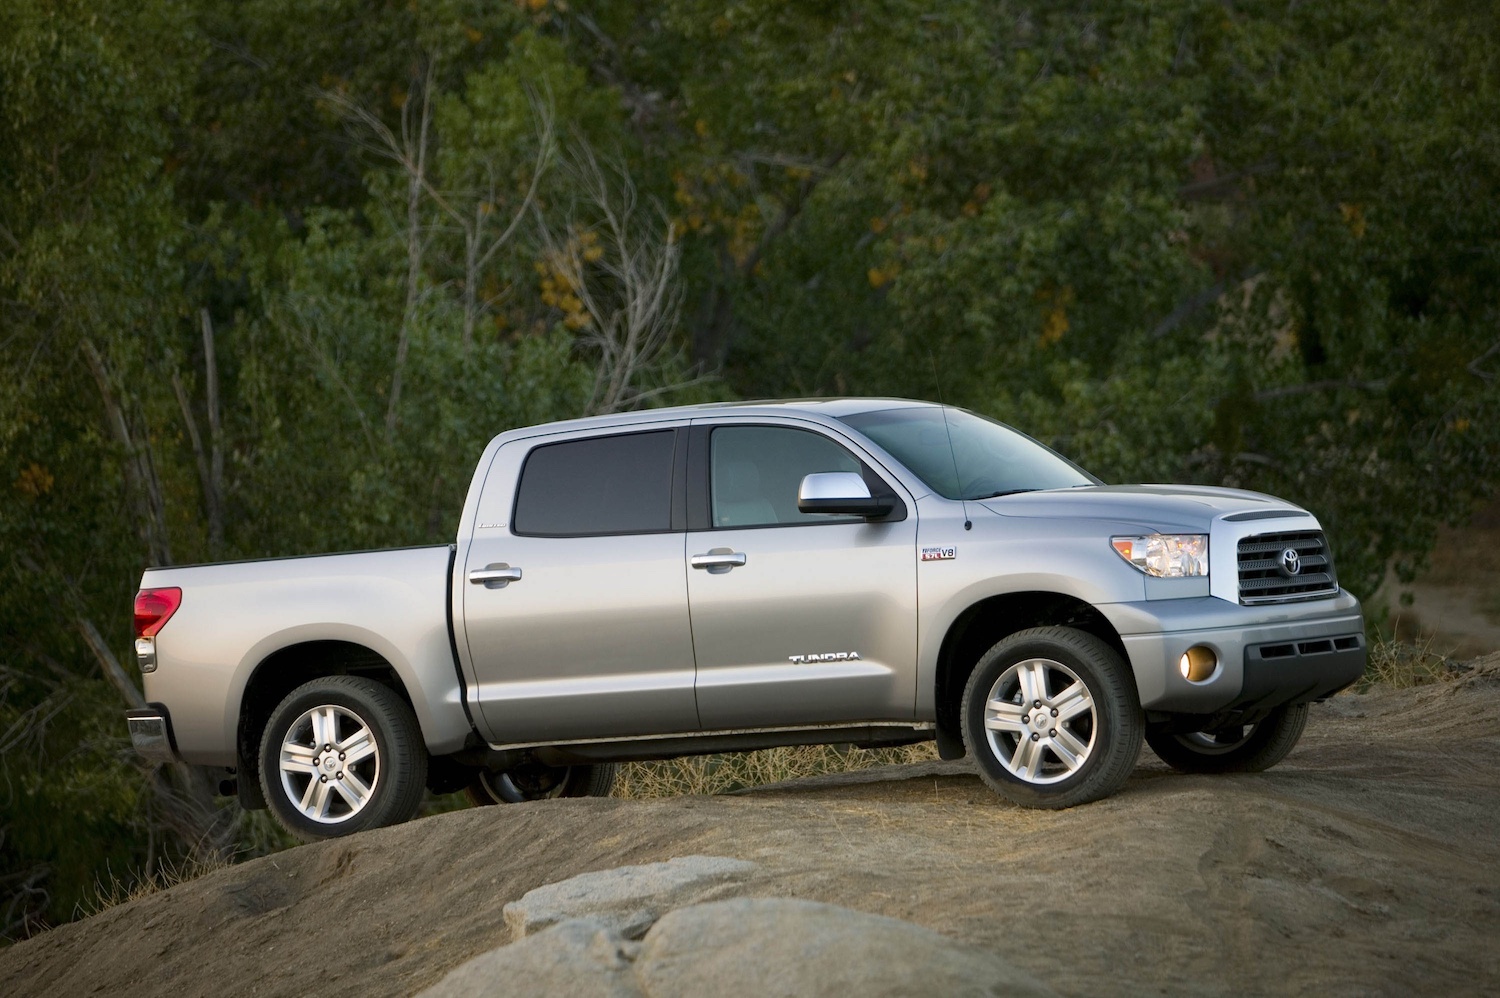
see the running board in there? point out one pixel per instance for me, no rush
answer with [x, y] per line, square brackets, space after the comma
[646, 747]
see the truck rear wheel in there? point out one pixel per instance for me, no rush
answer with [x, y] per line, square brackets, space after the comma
[1241, 749]
[342, 754]
[1051, 718]
[534, 781]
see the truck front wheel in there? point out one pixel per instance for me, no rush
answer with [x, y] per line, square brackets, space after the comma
[1052, 719]
[342, 754]
[1240, 749]
[534, 781]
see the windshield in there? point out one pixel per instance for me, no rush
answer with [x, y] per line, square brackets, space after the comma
[985, 459]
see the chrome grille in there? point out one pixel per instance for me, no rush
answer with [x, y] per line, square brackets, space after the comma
[1264, 578]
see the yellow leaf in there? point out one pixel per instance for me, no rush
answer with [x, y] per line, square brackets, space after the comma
[1055, 325]
[34, 481]
[1354, 217]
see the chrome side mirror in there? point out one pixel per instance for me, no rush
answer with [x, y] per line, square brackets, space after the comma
[839, 492]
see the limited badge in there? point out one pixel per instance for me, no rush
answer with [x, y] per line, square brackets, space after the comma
[939, 553]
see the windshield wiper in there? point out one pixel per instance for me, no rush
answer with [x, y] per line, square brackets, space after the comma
[997, 495]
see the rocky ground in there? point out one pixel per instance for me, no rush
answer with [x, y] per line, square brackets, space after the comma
[1367, 863]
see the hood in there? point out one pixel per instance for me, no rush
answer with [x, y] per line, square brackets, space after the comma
[1157, 507]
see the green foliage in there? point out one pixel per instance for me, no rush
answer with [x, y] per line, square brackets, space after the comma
[1251, 245]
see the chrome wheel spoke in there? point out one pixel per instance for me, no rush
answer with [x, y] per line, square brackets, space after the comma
[1067, 747]
[1001, 715]
[1033, 679]
[1027, 759]
[1071, 702]
[320, 800]
[353, 790]
[357, 747]
[305, 804]
[297, 759]
[324, 726]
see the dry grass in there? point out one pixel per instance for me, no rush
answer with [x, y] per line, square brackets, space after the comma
[1403, 664]
[717, 774]
[166, 874]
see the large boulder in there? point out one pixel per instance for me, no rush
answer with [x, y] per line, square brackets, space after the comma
[627, 899]
[579, 958]
[741, 947]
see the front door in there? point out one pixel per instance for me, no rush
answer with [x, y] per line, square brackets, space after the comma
[592, 639]
[817, 623]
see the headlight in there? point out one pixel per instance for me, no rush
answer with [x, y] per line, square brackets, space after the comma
[1166, 556]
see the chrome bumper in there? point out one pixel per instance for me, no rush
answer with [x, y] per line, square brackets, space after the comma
[151, 733]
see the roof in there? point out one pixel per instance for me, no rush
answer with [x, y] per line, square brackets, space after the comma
[835, 408]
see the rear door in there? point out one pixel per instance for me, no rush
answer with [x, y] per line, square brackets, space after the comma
[576, 607]
[817, 622]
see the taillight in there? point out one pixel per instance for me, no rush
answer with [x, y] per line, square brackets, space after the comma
[153, 608]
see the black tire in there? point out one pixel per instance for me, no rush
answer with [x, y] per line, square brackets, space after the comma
[1246, 749]
[362, 712]
[1109, 728]
[534, 781]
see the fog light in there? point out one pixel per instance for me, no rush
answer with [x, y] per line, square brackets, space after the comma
[1198, 663]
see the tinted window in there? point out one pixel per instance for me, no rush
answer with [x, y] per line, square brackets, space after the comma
[603, 485]
[757, 470]
[963, 456]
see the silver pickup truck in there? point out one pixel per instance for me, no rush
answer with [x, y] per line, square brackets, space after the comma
[730, 577]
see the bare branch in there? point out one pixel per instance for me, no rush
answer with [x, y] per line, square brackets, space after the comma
[409, 151]
[478, 248]
[215, 482]
[143, 485]
[1473, 365]
[626, 284]
[196, 440]
[414, 150]
[108, 664]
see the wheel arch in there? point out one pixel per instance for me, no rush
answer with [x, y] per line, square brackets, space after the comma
[992, 619]
[284, 670]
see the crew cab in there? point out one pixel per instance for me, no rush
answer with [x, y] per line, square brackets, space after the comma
[739, 576]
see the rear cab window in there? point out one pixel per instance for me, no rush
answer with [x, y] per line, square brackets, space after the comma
[596, 486]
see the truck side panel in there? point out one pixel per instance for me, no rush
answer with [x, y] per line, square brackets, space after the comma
[233, 617]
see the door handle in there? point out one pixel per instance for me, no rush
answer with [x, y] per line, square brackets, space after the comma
[718, 561]
[495, 576]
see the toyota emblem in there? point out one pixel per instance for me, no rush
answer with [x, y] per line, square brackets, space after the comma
[1291, 562]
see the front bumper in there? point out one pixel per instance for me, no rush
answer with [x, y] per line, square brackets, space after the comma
[1267, 655]
[151, 733]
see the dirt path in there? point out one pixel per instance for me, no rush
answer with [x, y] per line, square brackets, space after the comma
[1367, 863]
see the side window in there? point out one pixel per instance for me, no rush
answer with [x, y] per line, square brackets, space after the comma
[756, 470]
[602, 485]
